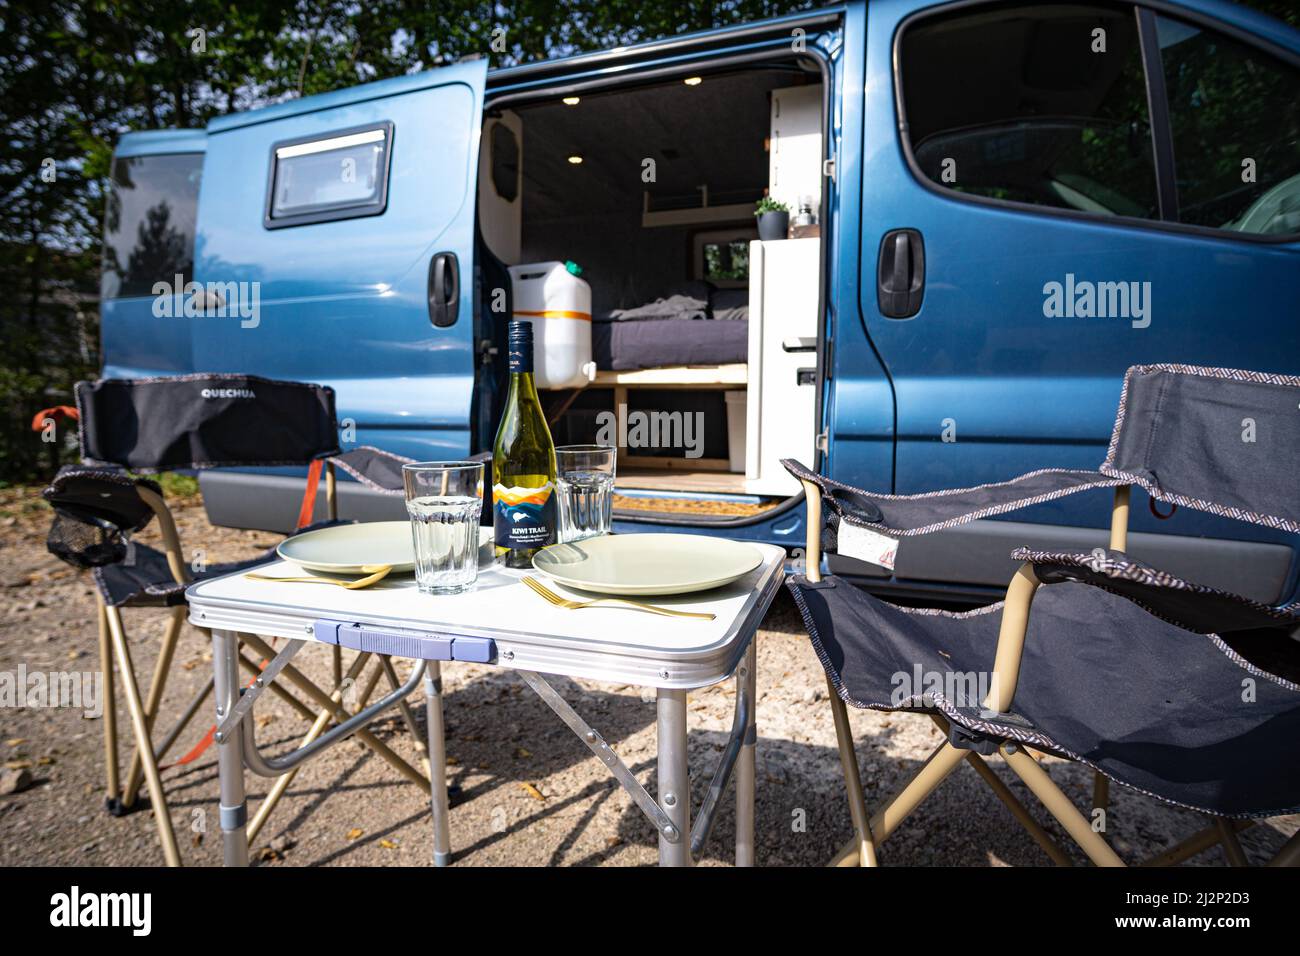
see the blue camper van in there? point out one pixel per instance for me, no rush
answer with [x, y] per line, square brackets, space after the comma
[994, 209]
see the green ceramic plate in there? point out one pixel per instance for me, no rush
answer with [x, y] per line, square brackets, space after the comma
[648, 563]
[347, 548]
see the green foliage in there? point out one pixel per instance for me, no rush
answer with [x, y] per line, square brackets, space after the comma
[768, 204]
[176, 485]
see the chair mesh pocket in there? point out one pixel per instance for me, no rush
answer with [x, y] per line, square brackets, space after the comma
[85, 542]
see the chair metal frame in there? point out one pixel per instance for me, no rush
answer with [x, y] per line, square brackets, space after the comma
[873, 829]
[114, 649]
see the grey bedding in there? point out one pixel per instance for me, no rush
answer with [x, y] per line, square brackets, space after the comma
[687, 301]
[656, 343]
[695, 324]
[729, 304]
[671, 307]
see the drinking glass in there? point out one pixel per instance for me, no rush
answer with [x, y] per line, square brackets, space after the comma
[444, 500]
[585, 480]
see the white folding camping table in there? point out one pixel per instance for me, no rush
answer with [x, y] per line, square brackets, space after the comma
[502, 623]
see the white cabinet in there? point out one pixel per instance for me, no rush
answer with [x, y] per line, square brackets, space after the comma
[795, 147]
[781, 407]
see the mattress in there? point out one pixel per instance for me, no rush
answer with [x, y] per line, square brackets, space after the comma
[657, 343]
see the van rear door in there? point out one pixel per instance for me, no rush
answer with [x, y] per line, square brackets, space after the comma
[149, 221]
[336, 245]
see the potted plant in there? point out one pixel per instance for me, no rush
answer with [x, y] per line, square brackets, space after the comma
[773, 218]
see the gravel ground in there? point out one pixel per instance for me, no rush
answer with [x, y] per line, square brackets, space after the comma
[532, 794]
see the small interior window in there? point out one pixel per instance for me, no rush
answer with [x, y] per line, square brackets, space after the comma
[722, 256]
[337, 177]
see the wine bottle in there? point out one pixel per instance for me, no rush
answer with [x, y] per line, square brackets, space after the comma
[524, 515]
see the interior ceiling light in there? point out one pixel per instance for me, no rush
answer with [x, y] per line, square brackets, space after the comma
[572, 100]
[575, 160]
[693, 81]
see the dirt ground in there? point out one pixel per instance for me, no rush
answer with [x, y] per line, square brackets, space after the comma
[531, 794]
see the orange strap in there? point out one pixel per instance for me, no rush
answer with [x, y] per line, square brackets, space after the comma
[197, 752]
[206, 742]
[57, 412]
[309, 494]
[304, 519]
[556, 314]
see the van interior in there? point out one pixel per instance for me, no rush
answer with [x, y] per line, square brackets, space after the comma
[704, 340]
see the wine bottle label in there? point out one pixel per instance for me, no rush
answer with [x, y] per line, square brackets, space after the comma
[525, 517]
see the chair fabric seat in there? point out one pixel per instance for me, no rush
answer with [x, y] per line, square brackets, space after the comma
[1175, 714]
[144, 578]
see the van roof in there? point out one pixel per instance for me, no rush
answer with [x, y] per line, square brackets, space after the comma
[819, 17]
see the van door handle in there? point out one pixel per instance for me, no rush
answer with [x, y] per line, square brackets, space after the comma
[900, 274]
[444, 289]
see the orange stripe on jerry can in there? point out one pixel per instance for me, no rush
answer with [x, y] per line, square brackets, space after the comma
[557, 314]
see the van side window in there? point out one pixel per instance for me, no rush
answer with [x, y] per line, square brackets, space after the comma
[321, 179]
[1041, 104]
[1235, 117]
[149, 223]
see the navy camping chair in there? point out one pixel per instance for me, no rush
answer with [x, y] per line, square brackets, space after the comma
[1183, 692]
[132, 427]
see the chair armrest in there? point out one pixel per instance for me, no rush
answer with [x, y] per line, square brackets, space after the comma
[907, 515]
[1194, 607]
[96, 509]
[375, 468]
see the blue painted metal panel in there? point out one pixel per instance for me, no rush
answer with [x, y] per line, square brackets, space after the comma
[859, 412]
[1019, 389]
[344, 302]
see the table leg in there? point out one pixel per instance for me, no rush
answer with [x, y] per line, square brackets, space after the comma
[230, 757]
[674, 777]
[437, 765]
[746, 682]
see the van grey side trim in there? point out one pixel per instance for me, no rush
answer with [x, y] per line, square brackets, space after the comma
[271, 502]
[979, 553]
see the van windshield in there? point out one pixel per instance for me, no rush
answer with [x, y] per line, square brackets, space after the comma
[149, 222]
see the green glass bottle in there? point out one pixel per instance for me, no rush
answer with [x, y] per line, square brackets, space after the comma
[524, 509]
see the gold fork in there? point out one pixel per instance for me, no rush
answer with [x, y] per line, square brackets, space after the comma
[558, 601]
[377, 571]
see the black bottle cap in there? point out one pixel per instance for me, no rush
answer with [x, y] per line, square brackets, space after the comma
[519, 341]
